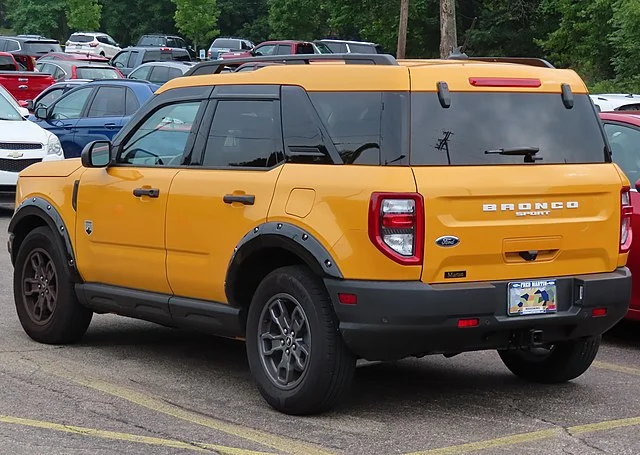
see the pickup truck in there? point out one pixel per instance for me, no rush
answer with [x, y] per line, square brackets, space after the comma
[25, 85]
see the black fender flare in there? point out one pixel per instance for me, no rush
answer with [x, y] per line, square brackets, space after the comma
[288, 237]
[43, 209]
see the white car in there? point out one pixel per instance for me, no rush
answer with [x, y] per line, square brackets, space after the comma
[22, 143]
[616, 102]
[92, 43]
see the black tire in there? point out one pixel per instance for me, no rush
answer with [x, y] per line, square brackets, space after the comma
[329, 367]
[563, 362]
[59, 318]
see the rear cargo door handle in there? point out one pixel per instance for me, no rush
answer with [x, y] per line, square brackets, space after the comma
[246, 199]
[110, 126]
[151, 192]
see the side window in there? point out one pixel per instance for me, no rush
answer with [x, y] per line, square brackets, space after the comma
[159, 75]
[3, 44]
[120, 61]
[108, 102]
[361, 129]
[102, 39]
[72, 105]
[302, 135]
[305, 48]
[59, 74]
[173, 73]
[49, 98]
[243, 134]
[267, 49]
[284, 49]
[131, 103]
[46, 68]
[133, 60]
[141, 73]
[12, 46]
[161, 139]
[152, 56]
[625, 146]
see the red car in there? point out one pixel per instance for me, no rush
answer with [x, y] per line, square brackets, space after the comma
[623, 133]
[285, 47]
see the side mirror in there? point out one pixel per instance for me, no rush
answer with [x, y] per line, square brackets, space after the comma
[29, 105]
[96, 154]
[42, 113]
[638, 184]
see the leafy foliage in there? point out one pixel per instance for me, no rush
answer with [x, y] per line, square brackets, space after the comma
[83, 14]
[197, 19]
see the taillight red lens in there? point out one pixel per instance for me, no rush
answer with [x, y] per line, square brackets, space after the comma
[626, 213]
[467, 323]
[396, 226]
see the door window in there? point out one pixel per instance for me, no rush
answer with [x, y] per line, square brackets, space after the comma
[108, 102]
[284, 49]
[72, 105]
[305, 48]
[49, 97]
[243, 134]
[120, 61]
[161, 139]
[141, 73]
[625, 146]
[159, 75]
[132, 104]
[133, 58]
[268, 49]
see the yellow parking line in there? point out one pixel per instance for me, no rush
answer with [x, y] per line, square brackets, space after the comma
[127, 437]
[530, 437]
[618, 368]
[272, 441]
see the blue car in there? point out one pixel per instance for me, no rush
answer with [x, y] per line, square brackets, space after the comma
[94, 111]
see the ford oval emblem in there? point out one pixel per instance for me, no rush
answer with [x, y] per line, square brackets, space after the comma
[447, 241]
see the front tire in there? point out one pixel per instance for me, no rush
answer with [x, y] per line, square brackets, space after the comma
[560, 363]
[45, 300]
[296, 354]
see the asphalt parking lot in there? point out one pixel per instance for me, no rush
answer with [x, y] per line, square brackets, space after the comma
[131, 387]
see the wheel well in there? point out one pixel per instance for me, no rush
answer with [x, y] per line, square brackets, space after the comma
[253, 270]
[22, 229]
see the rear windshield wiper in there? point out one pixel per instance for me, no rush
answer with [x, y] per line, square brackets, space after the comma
[527, 152]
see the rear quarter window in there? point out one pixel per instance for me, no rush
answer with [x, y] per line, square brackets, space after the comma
[479, 122]
[7, 63]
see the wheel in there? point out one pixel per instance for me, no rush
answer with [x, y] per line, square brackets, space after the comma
[296, 354]
[45, 300]
[558, 363]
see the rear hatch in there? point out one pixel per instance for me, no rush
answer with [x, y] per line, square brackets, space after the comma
[549, 207]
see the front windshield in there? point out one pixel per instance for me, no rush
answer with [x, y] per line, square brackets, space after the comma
[8, 110]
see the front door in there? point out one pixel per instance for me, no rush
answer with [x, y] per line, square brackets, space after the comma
[225, 194]
[104, 116]
[120, 232]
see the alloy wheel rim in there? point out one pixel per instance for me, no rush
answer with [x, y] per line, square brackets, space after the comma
[284, 341]
[39, 286]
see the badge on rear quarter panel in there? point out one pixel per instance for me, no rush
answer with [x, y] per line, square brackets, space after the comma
[447, 241]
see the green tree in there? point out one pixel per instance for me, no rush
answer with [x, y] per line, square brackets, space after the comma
[84, 14]
[42, 17]
[625, 39]
[244, 19]
[297, 19]
[197, 19]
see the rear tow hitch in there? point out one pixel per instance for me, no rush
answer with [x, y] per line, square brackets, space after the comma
[536, 337]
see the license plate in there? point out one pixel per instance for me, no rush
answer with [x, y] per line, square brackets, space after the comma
[532, 297]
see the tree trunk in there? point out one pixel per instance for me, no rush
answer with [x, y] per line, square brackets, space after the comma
[448, 32]
[402, 28]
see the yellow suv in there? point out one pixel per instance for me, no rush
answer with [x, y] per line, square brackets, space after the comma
[325, 209]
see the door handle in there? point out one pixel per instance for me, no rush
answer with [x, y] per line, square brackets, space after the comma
[110, 126]
[246, 199]
[23, 87]
[151, 192]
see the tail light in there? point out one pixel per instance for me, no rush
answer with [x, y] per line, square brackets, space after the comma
[94, 44]
[74, 72]
[626, 212]
[396, 226]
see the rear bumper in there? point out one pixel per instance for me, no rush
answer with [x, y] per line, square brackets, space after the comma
[392, 320]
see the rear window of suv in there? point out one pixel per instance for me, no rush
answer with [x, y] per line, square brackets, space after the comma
[226, 43]
[39, 47]
[80, 38]
[479, 122]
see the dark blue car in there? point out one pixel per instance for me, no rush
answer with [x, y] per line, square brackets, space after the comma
[96, 110]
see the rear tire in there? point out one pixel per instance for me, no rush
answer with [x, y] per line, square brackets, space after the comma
[306, 372]
[563, 362]
[45, 300]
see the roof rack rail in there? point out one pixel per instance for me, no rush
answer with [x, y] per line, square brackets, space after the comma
[531, 61]
[218, 66]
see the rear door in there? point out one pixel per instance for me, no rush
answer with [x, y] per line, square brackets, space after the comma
[494, 217]
[104, 116]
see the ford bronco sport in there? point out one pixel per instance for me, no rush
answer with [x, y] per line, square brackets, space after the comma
[329, 212]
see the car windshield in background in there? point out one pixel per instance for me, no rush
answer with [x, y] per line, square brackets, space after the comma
[38, 47]
[152, 41]
[8, 111]
[226, 44]
[78, 38]
[479, 122]
[97, 73]
[7, 63]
